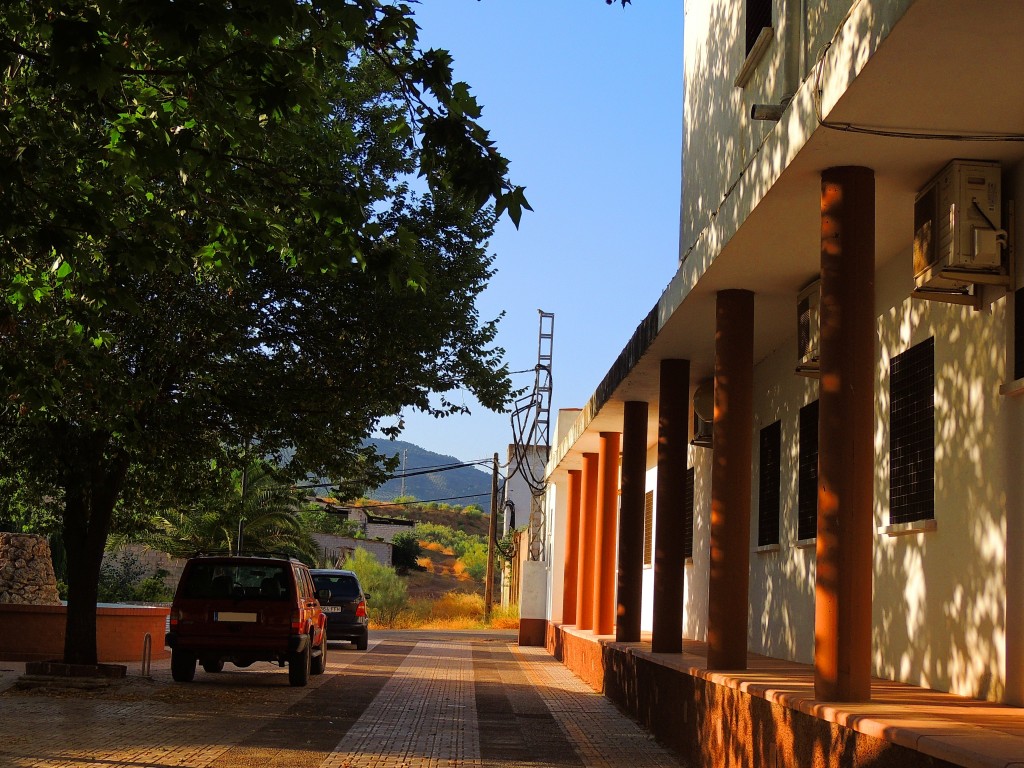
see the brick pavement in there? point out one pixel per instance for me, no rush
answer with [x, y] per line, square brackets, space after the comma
[420, 702]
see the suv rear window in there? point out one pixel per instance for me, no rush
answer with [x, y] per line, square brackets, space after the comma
[342, 587]
[249, 581]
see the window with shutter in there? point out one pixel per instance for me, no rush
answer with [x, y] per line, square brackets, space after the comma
[759, 16]
[688, 514]
[807, 470]
[769, 485]
[649, 528]
[912, 434]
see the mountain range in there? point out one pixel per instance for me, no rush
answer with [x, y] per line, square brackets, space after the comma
[451, 484]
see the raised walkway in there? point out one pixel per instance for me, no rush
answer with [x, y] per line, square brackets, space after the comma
[767, 715]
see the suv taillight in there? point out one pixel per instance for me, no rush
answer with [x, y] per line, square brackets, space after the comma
[175, 617]
[296, 624]
[361, 609]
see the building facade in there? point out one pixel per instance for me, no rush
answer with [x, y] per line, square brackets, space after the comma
[812, 447]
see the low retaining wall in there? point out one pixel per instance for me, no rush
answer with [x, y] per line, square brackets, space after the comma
[717, 726]
[36, 632]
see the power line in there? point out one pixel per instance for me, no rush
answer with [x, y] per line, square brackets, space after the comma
[370, 507]
[418, 471]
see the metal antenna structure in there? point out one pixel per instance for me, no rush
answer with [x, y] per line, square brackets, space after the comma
[531, 434]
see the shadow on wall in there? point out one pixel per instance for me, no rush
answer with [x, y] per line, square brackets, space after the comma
[939, 597]
[695, 609]
[781, 616]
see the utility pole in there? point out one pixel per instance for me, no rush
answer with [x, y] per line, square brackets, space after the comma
[241, 518]
[405, 458]
[492, 533]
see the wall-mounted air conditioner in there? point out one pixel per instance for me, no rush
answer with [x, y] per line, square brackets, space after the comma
[703, 413]
[958, 233]
[808, 329]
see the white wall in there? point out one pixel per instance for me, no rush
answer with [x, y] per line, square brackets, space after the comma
[780, 621]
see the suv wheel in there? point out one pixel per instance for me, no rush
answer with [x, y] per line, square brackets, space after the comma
[319, 664]
[299, 667]
[363, 641]
[213, 665]
[183, 666]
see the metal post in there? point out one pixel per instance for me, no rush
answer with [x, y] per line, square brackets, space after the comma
[492, 531]
[147, 655]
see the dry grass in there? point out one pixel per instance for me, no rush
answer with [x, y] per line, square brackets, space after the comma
[433, 546]
[454, 610]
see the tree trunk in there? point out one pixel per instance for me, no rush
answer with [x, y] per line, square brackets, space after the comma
[92, 486]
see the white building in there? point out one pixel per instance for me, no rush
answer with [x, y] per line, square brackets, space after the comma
[869, 522]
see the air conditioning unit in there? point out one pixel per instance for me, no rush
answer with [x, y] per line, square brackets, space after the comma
[703, 413]
[957, 227]
[808, 330]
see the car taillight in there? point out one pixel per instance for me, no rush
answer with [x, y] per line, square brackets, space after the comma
[361, 608]
[296, 624]
[175, 617]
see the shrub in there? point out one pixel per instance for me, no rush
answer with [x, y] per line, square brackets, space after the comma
[119, 574]
[388, 593]
[505, 618]
[122, 581]
[474, 557]
[405, 550]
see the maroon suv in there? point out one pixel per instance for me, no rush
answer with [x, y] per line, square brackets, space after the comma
[246, 609]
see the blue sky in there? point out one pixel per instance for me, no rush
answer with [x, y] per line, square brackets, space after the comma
[585, 99]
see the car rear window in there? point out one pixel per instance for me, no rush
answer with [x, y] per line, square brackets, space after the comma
[342, 586]
[249, 581]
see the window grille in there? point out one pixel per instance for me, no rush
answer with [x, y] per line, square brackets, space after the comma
[912, 434]
[769, 485]
[807, 481]
[688, 514]
[759, 16]
[648, 528]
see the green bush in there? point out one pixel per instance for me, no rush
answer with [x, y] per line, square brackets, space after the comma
[474, 557]
[123, 580]
[118, 576]
[388, 593]
[405, 550]
[459, 541]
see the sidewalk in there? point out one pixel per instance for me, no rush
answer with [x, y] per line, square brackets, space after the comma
[414, 700]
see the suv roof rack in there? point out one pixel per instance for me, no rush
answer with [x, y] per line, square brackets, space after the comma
[278, 554]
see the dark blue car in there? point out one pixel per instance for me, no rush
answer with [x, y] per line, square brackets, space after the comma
[345, 609]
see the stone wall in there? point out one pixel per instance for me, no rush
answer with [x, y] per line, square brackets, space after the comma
[26, 570]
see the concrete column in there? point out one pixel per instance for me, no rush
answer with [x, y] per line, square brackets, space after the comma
[669, 563]
[607, 516]
[631, 523]
[572, 546]
[730, 480]
[588, 527]
[842, 589]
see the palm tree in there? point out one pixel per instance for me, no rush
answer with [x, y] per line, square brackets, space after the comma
[256, 507]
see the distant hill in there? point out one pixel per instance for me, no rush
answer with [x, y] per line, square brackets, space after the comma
[462, 486]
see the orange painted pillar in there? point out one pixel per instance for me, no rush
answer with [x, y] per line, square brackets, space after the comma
[572, 546]
[631, 523]
[730, 480]
[670, 488]
[588, 526]
[605, 545]
[842, 589]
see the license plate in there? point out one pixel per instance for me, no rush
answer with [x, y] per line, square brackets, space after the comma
[234, 616]
[331, 608]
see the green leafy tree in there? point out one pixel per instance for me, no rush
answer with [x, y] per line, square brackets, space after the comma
[389, 595]
[212, 240]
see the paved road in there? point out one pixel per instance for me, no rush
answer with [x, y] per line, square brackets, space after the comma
[415, 699]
